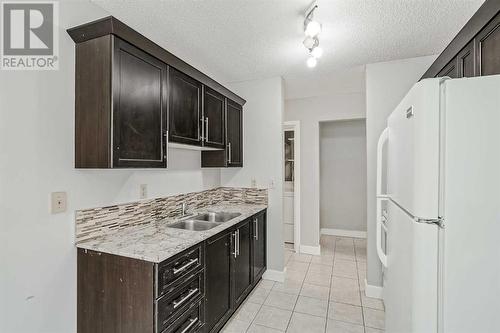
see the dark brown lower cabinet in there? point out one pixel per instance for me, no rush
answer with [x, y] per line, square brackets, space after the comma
[259, 245]
[114, 294]
[195, 291]
[242, 268]
[218, 280]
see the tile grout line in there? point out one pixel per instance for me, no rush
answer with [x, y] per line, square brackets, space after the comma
[328, 300]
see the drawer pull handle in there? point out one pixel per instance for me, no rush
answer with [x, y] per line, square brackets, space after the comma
[235, 253]
[256, 224]
[185, 298]
[191, 324]
[186, 266]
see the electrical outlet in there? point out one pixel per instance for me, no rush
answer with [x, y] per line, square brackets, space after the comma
[271, 184]
[58, 202]
[143, 191]
[254, 183]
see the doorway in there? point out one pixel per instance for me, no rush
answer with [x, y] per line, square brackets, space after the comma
[343, 178]
[291, 185]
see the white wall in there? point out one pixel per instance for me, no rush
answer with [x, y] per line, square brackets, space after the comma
[341, 97]
[343, 175]
[38, 257]
[263, 155]
[386, 84]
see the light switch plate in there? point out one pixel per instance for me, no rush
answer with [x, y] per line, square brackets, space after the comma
[58, 202]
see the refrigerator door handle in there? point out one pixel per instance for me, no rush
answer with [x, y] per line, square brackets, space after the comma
[380, 147]
[380, 224]
[381, 196]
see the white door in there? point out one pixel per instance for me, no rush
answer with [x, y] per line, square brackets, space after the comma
[413, 150]
[410, 289]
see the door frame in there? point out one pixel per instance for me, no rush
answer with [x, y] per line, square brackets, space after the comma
[295, 127]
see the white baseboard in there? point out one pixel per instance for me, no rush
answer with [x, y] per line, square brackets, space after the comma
[314, 250]
[274, 275]
[373, 291]
[343, 233]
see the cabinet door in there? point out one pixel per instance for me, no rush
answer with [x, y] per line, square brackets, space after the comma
[217, 281]
[184, 111]
[488, 49]
[139, 108]
[214, 106]
[234, 134]
[449, 70]
[242, 272]
[466, 61]
[259, 246]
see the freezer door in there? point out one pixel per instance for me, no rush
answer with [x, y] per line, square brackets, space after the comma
[413, 150]
[411, 277]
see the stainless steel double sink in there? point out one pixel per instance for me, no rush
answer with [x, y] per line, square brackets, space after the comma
[205, 221]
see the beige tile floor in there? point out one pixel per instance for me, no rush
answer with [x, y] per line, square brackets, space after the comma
[322, 293]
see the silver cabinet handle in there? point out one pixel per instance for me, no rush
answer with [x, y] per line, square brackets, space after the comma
[229, 157]
[186, 266]
[238, 242]
[185, 298]
[165, 153]
[206, 132]
[235, 253]
[191, 323]
[202, 129]
[256, 224]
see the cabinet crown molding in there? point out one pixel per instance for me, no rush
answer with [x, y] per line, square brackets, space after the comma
[112, 26]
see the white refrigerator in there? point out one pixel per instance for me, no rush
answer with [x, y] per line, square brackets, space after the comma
[438, 215]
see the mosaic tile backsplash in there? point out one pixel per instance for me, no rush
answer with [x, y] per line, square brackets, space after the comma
[95, 222]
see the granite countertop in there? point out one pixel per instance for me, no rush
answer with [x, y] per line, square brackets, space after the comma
[156, 242]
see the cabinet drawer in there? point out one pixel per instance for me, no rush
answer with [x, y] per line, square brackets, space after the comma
[169, 306]
[190, 321]
[172, 272]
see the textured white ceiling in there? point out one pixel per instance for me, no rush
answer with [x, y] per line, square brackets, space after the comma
[237, 40]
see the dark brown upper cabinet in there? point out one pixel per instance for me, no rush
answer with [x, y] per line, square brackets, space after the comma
[466, 62]
[133, 97]
[488, 49]
[234, 118]
[450, 70]
[184, 109]
[214, 119]
[120, 109]
[139, 108]
[475, 50]
[232, 155]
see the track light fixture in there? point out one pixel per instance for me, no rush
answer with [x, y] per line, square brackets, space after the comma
[312, 29]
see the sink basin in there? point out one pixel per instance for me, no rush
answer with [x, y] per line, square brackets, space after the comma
[216, 216]
[191, 224]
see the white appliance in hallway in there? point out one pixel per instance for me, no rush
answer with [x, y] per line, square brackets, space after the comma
[441, 212]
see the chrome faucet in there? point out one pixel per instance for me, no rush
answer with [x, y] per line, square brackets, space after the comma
[184, 209]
